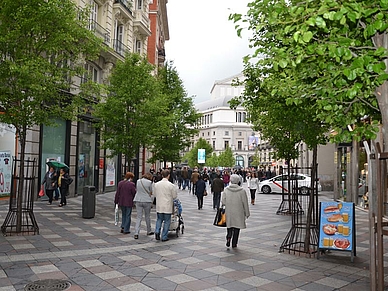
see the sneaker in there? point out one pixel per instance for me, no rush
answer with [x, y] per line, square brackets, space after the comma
[150, 233]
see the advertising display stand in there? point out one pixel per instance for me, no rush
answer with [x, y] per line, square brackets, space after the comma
[337, 227]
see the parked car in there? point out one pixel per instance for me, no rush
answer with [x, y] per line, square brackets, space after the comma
[280, 182]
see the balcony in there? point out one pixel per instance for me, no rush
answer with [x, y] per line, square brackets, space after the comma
[120, 48]
[126, 4]
[100, 31]
[142, 23]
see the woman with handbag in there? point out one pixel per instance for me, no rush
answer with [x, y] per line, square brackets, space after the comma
[236, 205]
[143, 200]
[125, 193]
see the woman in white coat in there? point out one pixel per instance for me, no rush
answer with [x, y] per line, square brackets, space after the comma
[253, 184]
[236, 205]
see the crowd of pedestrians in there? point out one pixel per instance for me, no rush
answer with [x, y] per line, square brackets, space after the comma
[161, 188]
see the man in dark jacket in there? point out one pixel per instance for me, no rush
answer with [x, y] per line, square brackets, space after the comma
[200, 188]
[217, 187]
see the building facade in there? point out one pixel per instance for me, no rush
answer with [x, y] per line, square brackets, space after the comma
[224, 127]
[125, 27]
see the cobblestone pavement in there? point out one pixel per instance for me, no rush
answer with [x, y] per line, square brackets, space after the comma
[92, 254]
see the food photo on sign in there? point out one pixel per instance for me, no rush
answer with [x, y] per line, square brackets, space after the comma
[335, 225]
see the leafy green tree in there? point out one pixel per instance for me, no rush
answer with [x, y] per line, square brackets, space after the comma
[192, 155]
[226, 158]
[180, 118]
[333, 53]
[43, 45]
[212, 161]
[131, 114]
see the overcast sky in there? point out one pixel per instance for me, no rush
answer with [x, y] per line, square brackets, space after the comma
[204, 44]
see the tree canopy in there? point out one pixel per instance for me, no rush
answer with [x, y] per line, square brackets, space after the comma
[192, 155]
[43, 45]
[134, 110]
[325, 56]
[179, 119]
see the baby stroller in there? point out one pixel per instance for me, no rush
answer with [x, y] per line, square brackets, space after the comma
[177, 223]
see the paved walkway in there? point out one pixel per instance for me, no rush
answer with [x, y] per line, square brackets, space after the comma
[92, 254]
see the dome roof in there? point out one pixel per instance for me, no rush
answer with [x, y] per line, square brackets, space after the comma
[214, 103]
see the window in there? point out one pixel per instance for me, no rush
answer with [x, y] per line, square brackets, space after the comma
[244, 116]
[239, 133]
[138, 46]
[226, 144]
[239, 117]
[203, 134]
[91, 74]
[211, 118]
[239, 145]
[214, 133]
[214, 144]
[139, 4]
[226, 133]
[93, 15]
[208, 133]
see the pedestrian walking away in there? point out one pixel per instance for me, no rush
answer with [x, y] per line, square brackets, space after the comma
[143, 201]
[165, 193]
[217, 187]
[236, 205]
[200, 191]
[194, 179]
[126, 191]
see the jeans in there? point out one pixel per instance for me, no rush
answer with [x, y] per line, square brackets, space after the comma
[216, 200]
[126, 218]
[200, 201]
[194, 189]
[56, 196]
[233, 233]
[166, 217]
[186, 183]
[140, 206]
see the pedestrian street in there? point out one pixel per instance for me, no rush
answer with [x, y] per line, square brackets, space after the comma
[74, 253]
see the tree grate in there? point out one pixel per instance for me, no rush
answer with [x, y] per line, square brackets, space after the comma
[48, 285]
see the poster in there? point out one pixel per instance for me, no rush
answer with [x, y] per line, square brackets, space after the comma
[5, 173]
[110, 173]
[253, 142]
[337, 226]
[81, 167]
[201, 156]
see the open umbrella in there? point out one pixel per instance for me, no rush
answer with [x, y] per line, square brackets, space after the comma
[57, 165]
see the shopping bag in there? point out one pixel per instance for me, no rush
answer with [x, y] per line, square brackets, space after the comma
[220, 219]
[41, 192]
[116, 214]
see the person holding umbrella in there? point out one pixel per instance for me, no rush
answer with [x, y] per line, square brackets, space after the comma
[64, 180]
[50, 179]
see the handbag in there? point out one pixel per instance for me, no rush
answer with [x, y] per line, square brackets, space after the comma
[220, 219]
[205, 193]
[41, 192]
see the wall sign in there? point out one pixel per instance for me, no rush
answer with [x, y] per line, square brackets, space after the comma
[5, 173]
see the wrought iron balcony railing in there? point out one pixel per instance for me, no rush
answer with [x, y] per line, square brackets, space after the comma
[100, 31]
[120, 48]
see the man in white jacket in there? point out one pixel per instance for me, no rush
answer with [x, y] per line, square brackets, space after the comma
[165, 193]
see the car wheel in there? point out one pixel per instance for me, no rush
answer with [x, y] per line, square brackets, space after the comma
[304, 190]
[266, 189]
